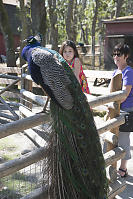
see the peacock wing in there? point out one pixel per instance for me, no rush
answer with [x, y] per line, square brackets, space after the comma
[54, 76]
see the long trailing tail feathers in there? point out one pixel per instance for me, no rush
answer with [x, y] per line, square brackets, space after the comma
[79, 168]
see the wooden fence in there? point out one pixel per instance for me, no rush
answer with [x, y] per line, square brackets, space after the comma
[86, 54]
[29, 119]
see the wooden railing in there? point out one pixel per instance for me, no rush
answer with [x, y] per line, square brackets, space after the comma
[29, 119]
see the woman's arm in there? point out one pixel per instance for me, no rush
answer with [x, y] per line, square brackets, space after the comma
[127, 88]
[77, 66]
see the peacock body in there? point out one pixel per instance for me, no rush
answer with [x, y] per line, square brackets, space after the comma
[77, 167]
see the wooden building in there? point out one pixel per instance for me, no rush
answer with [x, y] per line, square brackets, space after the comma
[117, 30]
[11, 7]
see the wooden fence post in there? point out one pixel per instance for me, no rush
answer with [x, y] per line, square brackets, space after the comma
[114, 111]
[26, 84]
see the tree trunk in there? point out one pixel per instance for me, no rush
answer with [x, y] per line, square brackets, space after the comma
[8, 36]
[69, 20]
[53, 22]
[74, 26]
[38, 15]
[84, 4]
[84, 30]
[119, 4]
[24, 33]
[93, 32]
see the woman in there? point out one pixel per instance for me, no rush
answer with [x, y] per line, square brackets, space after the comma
[69, 52]
[121, 54]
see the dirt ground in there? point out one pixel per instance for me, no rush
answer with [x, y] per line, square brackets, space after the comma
[14, 144]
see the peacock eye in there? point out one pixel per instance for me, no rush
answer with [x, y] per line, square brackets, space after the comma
[85, 172]
[80, 136]
[77, 109]
[83, 145]
[75, 86]
[82, 126]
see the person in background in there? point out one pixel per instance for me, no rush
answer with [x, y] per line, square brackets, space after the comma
[121, 54]
[69, 52]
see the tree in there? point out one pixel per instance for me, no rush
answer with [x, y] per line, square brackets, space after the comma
[8, 36]
[25, 28]
[119, 4]
[53, 24]
[93, 31]
[69, 21]
[83, 20]
[38, 18]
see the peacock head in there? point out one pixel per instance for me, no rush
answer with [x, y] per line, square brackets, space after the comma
[31, 42]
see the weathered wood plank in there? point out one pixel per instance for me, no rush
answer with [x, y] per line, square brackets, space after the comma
[113, 155]
[41, 100]
[109, 137]
[115, 122]
[28, 77]
[7, 81]
[10, 70]
[9, 108]
[9, 76]
[17, 164]
[35, 138]
[26, 112]
[111, 174]
[9, 86]
[7, 116]
[101, 100]
[23, 124]
[116, 187]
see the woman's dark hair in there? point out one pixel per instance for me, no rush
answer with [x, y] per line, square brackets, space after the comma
[122, 48]
[72, 45]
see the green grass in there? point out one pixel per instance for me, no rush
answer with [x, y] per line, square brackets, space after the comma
[99, 113]
[8, 148]
[7, 143]
[17, 186]
[9, 194]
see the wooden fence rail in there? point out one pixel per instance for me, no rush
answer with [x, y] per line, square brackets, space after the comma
[12, 166]
[23, 124]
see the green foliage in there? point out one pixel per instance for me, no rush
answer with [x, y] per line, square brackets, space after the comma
[84, 17]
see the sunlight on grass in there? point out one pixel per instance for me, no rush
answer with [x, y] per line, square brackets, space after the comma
[8, 148]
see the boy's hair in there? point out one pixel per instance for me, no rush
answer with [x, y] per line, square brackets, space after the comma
[122, 48]
[72, 45]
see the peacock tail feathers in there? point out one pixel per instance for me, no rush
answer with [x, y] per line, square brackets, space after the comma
[79, 169]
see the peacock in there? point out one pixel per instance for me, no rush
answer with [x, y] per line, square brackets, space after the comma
[75, 160]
